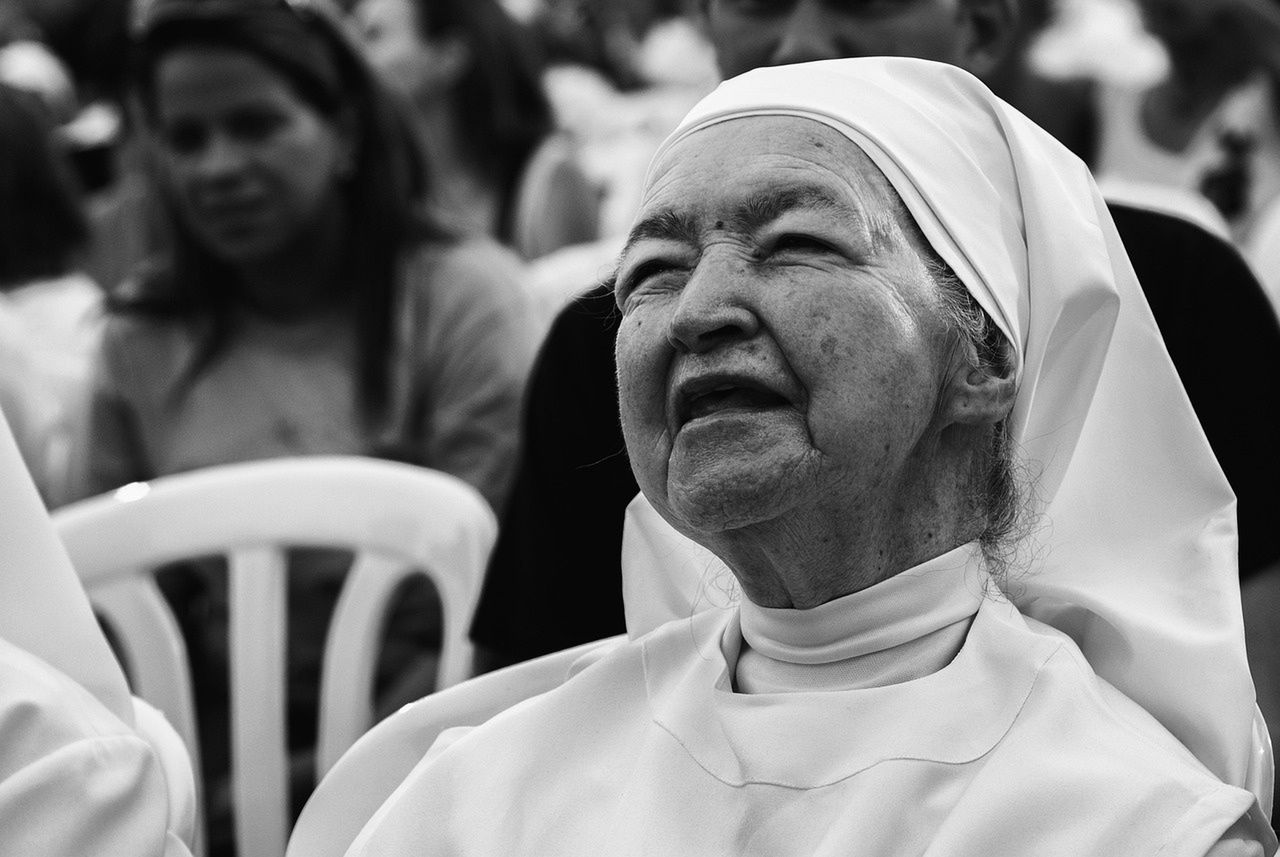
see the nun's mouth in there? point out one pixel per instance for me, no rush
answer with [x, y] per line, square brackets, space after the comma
[714, 395]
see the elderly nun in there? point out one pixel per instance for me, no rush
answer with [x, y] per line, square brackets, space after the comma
[882, 354]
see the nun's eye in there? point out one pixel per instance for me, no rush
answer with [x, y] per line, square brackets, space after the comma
[654, 273]
[798, 243]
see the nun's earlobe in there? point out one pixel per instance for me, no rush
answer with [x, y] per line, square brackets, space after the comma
[980, 395]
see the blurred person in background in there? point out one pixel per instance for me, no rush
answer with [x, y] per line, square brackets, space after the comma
[77, 52]
[1063, 106]
[90, 36]
[307, 306]
[1209, 124]
[474, 78]
[52, 308]
[603, 35]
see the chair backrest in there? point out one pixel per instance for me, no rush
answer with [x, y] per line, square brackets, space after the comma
[380, 760]
[399, 519]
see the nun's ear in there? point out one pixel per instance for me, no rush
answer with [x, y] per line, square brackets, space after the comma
[988, 31]
[979, 393]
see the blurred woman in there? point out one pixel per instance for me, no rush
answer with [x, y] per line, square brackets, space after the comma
[49, 308]
[306, 306]
[1210, 125]
[497, 163]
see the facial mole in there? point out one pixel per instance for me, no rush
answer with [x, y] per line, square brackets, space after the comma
[719, 224]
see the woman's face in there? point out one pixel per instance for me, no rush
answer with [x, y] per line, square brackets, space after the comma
[782, 346]
[249, 164]
[422, 68]
[750, 34]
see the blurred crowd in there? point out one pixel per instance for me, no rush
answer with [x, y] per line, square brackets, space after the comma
[241, 229]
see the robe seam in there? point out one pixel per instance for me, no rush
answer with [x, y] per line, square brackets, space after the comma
[1058, 646]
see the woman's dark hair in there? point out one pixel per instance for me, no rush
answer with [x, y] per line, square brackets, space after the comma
[502, 110]
[305, 43]
[42, 223]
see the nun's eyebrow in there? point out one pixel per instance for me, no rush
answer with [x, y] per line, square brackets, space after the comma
[761, 209]
[767, 206]
[663, 225]
[757, 210]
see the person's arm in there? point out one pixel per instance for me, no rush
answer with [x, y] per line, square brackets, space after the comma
[110, 453]
[101, 795]
[74, 778]
[1240, 840]
[1224, 822]
[475, 349]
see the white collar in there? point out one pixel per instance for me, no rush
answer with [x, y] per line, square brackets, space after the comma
[769, 738]
[905, 607]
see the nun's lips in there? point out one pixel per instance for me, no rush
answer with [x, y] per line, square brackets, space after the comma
[722, 392]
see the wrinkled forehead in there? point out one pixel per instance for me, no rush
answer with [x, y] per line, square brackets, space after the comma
[755, 168]
[801, 147]
[958, 197]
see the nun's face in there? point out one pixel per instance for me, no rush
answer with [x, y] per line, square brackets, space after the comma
[782, 344]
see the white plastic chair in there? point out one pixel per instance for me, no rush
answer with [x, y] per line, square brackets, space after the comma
[377, 763]
[400, 520]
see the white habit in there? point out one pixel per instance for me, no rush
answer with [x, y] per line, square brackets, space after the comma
[1014, 747]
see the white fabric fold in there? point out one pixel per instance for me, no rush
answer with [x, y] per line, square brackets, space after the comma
[43, 607]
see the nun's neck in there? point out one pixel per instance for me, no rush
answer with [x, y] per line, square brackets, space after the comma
[811, 556]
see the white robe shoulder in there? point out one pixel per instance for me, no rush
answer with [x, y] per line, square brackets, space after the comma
[74, 779]
[1014, 748]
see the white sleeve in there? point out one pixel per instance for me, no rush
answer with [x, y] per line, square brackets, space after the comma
[100, 795]
[1250, 835]
[1242, 839]
[447, 739]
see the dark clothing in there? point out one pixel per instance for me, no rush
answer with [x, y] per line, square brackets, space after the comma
[555, 580]
[1223, 336]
